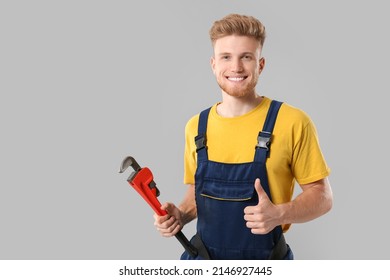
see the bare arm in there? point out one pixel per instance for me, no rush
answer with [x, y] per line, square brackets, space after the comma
[177, 217]
[188, 206]
[315, 200]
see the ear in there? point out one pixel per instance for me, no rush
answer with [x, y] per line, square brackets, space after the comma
[212, 64]
[261, 64]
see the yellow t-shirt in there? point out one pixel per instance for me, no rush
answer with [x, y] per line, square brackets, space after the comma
[295, 152]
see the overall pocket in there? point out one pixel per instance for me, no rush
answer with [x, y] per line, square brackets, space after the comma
[228, 190]
[221, 222]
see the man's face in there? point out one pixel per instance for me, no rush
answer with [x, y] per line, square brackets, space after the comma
[237, 64]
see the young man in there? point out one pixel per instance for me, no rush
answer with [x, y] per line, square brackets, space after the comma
[243, 156]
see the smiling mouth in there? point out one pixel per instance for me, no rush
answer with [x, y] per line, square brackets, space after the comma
[237, 79]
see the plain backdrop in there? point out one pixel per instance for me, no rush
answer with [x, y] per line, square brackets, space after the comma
[86, 83]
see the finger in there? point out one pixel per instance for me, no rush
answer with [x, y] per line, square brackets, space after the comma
[176, 229]
[252, 225]
[160, 219]
[166, 207]
[249, 210]
[172, 233]
[262, 230]
[249, 217]
[170, 208]
[171, 230]
[258, 227]
[169, 227]
[259, 189]
[165, 222]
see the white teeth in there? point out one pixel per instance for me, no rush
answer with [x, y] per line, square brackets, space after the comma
[236, 79]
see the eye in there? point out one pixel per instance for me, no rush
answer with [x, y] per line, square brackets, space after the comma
[247, 57]
[225, 57]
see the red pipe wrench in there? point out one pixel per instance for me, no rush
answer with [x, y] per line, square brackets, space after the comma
[141, 179]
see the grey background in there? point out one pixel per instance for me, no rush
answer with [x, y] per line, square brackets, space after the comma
[86, 83]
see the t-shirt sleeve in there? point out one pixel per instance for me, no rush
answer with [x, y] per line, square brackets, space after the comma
[308, 164]
[190, 150]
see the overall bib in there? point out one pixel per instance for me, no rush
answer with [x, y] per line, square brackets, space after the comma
[222, 191]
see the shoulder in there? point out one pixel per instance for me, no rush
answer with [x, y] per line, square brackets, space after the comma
[293, 122]
[192, 123]
[293, 115]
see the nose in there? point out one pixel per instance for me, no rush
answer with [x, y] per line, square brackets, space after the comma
[237, 66]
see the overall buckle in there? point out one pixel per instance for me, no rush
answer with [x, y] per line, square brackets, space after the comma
[200, 142]
[263, 140]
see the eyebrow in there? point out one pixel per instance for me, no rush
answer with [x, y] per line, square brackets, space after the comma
[227, 53]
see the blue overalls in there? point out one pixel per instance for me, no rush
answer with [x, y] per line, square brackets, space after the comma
[222, 192]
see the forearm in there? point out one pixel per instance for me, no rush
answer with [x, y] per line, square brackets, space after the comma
[315, 200]
[188, 206]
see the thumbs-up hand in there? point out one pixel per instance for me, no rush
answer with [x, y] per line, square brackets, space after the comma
[263, 217]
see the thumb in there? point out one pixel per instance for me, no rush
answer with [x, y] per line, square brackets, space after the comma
[167, 207]
[259, 189]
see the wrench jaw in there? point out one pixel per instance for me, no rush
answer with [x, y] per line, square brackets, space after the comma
[132, 176]
[130, 161]
[152, 185]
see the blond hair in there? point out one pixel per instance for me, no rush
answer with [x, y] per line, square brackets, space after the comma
[235, 24]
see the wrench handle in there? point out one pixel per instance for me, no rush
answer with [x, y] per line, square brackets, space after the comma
[182, 238]
[186, 244]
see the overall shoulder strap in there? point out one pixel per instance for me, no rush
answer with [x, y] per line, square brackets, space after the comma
[200, 139]
[262, 152]
[265, 136]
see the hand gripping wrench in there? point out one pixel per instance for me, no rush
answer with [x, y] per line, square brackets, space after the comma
[141, 179]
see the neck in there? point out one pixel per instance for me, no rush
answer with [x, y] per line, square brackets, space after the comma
[237, 106]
